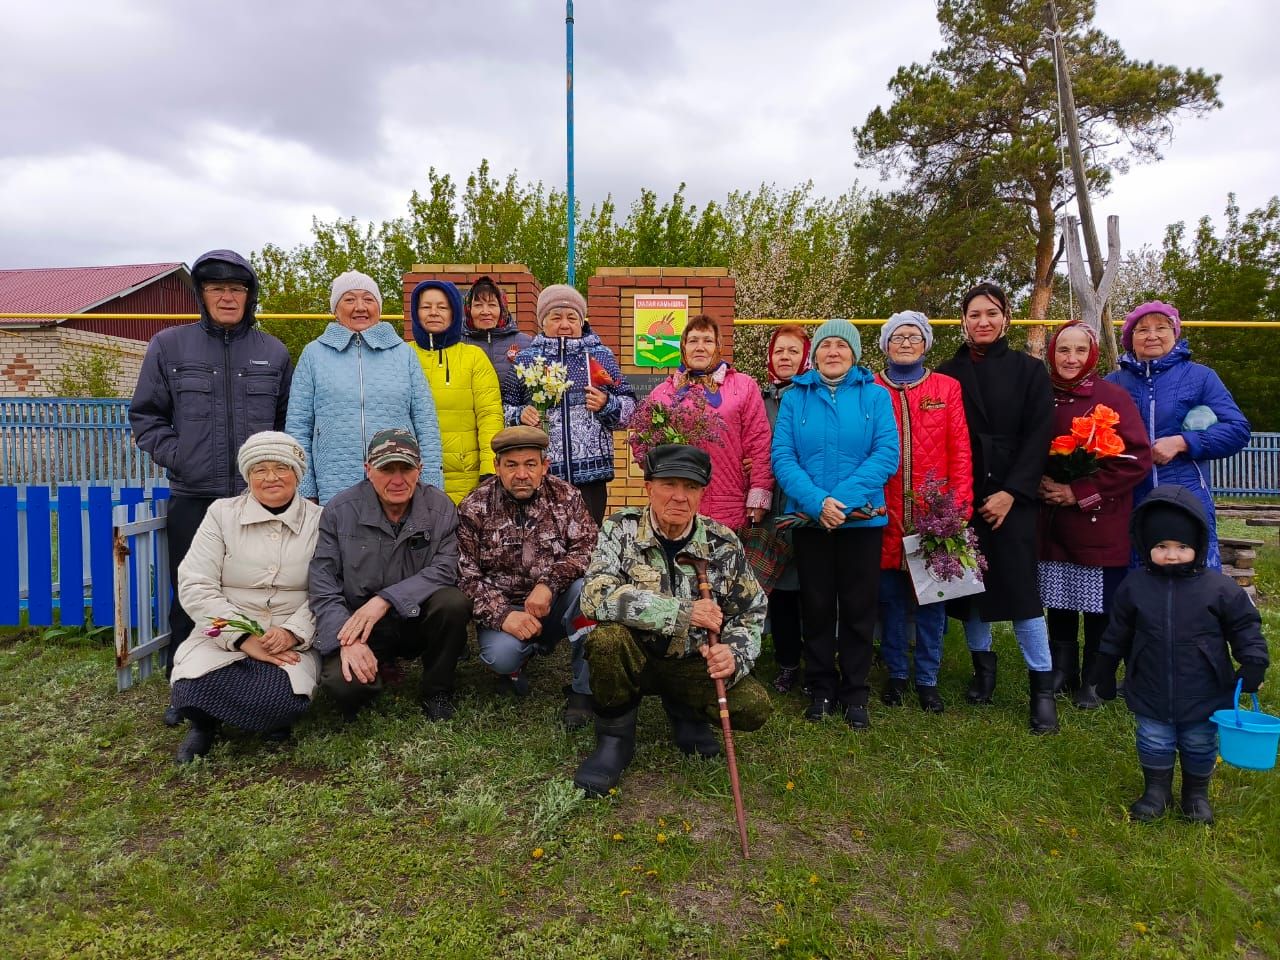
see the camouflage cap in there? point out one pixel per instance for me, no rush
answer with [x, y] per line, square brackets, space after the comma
[396, 445]
[519, 438]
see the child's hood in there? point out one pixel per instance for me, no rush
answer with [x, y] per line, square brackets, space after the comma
[1164, 497]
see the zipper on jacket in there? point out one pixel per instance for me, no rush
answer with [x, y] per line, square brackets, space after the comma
[230, 400]
[1169, 635]
[1151, 427]
[364, 440]
[564, 422]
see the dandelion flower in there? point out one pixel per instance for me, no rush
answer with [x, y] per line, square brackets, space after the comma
[662, 822]
[780, 943]
[651, 873]
[687, 825]
[858, 833]
[1054, 853]
[662, 838]
[791, 784]
[625, 893]
[537, 853]
[813, 879]
[1140, 927]
[617, 837]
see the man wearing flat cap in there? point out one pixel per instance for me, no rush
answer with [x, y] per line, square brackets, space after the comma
[383, 581]
[525, 538]
[652, 632]
[205, 388]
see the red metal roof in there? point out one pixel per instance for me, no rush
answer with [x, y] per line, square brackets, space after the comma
[72, 290]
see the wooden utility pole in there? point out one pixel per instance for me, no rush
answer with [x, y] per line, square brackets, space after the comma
[1066, 98]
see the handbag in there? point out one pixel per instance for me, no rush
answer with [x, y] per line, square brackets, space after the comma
[767, 552]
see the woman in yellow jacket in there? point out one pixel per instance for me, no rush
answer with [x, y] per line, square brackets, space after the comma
[463, 383]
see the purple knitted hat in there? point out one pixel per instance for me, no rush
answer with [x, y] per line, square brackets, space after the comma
[1140, 311]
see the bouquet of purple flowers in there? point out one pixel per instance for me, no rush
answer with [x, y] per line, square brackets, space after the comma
[689, 421]
[947, 542]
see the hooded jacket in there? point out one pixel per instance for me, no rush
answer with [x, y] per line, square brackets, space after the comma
[204, 389]
[844, 446]
[500, 344]
[467, 396]
[746, 435]
[347, 387]
[581, 449]
[1177, 628]
[1164, 390]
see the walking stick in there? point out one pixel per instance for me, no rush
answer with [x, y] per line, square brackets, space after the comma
[704, 589]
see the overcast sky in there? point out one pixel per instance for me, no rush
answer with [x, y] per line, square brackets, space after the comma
[143, 130]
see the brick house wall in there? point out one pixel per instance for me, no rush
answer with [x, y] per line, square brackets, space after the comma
[518, 284]
[30, 359]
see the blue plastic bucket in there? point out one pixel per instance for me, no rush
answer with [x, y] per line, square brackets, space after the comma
[1247, 739]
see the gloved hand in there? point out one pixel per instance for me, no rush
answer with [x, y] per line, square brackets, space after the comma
[1103, 676]
[1251, 673]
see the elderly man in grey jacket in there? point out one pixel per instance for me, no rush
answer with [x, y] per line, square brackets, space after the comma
[204, 388]
[383, 581]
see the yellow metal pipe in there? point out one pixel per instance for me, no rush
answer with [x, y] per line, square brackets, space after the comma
[776, 321]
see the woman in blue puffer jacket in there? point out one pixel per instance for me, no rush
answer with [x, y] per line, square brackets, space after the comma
[356, 378]
[1158, 372]
[835, 446]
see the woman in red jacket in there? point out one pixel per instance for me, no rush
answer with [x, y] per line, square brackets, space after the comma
[934, 441]
[1084, 523]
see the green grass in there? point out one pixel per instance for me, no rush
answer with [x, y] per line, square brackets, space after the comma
[951, 836]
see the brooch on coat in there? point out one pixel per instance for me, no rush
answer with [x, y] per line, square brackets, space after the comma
[932, 403]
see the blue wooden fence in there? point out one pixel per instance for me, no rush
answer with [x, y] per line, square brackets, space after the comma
[56, 441]
[61, 557]
[1253, 472]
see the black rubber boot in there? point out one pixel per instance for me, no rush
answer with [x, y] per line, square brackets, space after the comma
[1157, 795]
[1195, 799]
[172, 718]
[895, 692]
[615, 746]
[690, 730]
[1044, 709]
[930, 702]
[1087, 698]
[1066, 666]
[983, 684]
[577, 711]
[197, 742]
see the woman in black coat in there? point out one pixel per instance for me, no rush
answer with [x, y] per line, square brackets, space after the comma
[1008, 402]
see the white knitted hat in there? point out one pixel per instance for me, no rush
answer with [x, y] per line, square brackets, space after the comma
[353, 280]
[271, 445]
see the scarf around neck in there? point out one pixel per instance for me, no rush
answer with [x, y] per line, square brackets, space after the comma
[710, 380]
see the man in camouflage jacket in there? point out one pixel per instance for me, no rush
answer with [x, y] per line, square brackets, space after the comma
[524, 538]
[653, 626]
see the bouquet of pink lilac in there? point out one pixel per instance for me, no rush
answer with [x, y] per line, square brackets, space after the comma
[947, 542]
[690, 421]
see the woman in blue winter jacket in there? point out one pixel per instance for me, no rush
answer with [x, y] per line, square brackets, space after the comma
[835, 446]
[356, 378]
[1190, 416]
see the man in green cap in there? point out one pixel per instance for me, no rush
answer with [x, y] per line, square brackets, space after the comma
[384, 580]
[653, 625]
[525, 538]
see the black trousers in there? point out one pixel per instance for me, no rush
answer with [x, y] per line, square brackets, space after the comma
[839, 583]
[184, 519]
[784, 625]
[1064, 627]
[437, 636]
[596, 496]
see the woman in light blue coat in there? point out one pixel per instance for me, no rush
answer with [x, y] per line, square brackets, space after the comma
[835, 446]
[356, 378]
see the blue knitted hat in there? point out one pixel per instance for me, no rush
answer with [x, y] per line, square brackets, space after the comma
[913, 317]
[843, 329]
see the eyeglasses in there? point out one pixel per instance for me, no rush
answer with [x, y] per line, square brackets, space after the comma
[900, 339]
[264, 470]
[226, 289]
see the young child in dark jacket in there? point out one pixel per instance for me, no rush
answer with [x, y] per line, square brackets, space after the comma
[1176, 625]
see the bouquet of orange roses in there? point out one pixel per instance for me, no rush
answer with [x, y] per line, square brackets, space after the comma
[1092, 439]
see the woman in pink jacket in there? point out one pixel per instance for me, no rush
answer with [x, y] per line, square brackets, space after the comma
[741, 480]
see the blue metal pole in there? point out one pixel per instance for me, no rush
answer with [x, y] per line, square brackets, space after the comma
[568, 39]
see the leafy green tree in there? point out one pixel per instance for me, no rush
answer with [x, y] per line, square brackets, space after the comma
[1232, 277]
[975, 130]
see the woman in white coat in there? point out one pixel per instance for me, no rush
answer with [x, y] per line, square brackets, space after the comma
[249, 561]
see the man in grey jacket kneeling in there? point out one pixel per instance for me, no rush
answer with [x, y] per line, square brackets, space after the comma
[383, 581]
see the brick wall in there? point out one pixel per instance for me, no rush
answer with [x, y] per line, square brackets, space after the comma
[30, 359]
[610, 305]
[519, 285]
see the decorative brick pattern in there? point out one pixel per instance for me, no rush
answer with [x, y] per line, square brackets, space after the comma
[29, 359]
[610, 306]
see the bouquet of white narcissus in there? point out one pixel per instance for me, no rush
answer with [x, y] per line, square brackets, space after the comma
[546, 380]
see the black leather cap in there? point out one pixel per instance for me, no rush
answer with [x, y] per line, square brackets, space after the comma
[678, 460]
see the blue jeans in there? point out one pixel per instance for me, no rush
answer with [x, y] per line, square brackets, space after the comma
[897, 599]
[1197, 742]
[504, 654]
[1032, 634]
